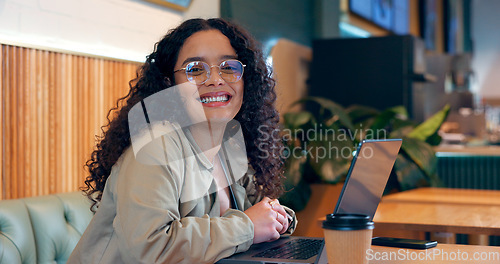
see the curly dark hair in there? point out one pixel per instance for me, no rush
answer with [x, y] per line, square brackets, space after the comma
[258, 116]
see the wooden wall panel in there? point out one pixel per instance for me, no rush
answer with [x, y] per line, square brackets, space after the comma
[52, 106]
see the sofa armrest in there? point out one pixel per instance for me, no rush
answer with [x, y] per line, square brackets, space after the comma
[58, 223]
[76, 210]
[42, 229]
[17, 243]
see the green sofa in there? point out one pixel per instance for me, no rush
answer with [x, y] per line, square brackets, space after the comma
[42, 229]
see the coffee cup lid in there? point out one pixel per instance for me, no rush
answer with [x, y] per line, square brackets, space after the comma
[347, 222]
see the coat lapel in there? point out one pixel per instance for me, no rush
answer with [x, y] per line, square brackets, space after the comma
[240, 196]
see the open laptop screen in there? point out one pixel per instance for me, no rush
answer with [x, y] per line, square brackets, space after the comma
[367, 176]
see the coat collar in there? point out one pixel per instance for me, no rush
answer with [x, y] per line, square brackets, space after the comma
[200, 156]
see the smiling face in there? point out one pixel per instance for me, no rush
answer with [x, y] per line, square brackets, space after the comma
[221, 100]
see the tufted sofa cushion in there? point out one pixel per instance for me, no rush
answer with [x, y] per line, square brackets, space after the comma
[42, 229]
[17, 243]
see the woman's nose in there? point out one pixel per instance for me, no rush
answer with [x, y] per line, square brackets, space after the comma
[214, 79]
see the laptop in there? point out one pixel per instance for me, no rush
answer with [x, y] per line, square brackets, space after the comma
[363, 188]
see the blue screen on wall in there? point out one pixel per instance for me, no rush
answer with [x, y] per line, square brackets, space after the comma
[392, 15]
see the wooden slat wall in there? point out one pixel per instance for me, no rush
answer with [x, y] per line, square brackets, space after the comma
[51, 107]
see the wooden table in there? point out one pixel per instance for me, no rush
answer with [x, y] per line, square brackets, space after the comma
[464, 211]
[441, 211]
[435, 217]
[430, 217]
[442, 254]
[446, 196]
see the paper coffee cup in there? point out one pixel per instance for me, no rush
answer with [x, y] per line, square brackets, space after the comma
[347, 238]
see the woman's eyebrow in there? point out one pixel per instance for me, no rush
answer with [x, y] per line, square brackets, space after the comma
[223, 57]
[192, 59]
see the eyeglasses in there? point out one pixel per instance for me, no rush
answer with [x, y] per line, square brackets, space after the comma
[198, 72]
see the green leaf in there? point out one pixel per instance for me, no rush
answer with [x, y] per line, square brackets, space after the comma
[359, 113]
[336, 110]
[297, 190]
[390, 119]
[295, 120]
[400, 111]
[294, 165]
[364, 130]
[434, 139]
[383, 120]
[401, 132]
[421, 154]
[330, 158]
[401, 128]
[431, 125]
[409, 174]
[399, 123]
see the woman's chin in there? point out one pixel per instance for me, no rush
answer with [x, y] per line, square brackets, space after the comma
[219, 115]
[219, 120]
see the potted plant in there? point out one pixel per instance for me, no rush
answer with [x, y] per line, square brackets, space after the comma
[319, 143]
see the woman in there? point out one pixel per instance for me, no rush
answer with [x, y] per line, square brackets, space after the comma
[147, 195]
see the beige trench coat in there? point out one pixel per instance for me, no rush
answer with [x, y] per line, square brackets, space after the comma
[141, 219]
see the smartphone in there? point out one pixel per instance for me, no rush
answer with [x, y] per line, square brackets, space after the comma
[403, 243]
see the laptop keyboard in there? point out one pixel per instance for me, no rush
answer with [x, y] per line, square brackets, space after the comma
[294, 249]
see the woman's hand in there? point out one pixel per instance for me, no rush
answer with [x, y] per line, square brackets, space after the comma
[268, 223]
[283, 217]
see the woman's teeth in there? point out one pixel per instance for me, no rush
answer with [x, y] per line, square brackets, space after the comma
[212, 99]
